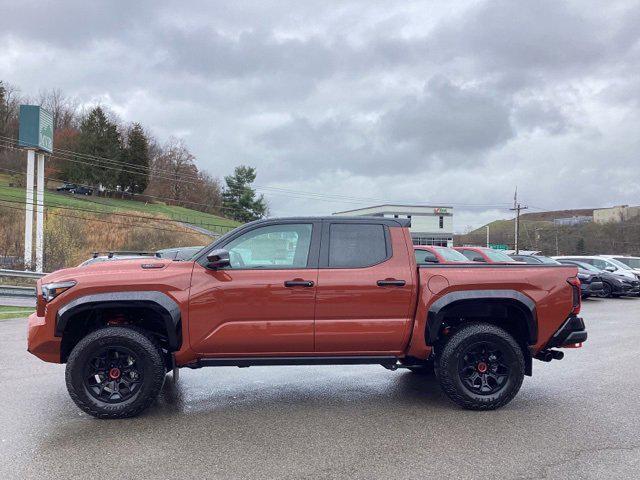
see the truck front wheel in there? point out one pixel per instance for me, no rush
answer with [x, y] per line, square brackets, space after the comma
[115, 372]
[481, 367]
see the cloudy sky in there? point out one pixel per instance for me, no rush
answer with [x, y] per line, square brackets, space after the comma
[342, 104]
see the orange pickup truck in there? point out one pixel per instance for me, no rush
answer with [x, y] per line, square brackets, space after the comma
[303, 291]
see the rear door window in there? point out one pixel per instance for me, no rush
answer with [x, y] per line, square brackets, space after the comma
[356, 245]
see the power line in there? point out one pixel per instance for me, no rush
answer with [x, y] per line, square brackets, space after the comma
[271, 190]
[124, 225]
[221, 207]
[78, 209]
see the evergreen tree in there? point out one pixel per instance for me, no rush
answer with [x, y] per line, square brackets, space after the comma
[98, 137]
[137, 154]
[239, 199]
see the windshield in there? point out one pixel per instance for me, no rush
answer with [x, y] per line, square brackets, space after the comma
[618, 263]
[450, 255]
[547, 260]
[633, 262]
[584, 265]
[497, 256]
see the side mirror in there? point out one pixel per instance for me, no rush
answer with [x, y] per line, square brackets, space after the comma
[218, 258]
[610, 268]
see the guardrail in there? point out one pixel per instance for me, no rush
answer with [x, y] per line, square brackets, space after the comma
[11, 291]
[20, 274]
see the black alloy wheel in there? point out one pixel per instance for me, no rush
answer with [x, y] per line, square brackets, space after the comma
[480, 367]
[115, 372]
[607, 290]
[483, 368]
[113, 375]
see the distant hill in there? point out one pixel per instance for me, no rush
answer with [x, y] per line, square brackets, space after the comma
[550, 216]
[532, 220]
[539, 232]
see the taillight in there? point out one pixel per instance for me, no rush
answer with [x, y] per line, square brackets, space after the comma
[577, 296]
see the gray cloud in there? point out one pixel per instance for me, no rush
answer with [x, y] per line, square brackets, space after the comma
[407, 101]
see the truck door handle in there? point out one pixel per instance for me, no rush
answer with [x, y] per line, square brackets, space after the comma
[298, 283]
[390, 282]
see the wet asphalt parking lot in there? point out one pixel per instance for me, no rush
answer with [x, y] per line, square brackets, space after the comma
[575, 418]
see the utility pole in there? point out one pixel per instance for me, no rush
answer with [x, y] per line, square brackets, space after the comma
[517, 207]
[487, 235]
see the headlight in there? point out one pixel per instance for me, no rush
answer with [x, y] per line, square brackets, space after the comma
[52, 290]
[583, 276]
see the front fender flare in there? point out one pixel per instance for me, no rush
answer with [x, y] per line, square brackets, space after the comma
[166, 308]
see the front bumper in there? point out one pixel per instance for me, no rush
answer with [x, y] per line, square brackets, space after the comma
[41, 340]
[631, 290]
[572, 332]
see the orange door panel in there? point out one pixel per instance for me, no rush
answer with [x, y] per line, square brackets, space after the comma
[366, 310]
[247, 312]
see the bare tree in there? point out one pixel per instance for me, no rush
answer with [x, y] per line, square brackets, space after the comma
[64, 109]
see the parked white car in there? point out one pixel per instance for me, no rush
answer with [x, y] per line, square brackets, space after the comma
[603, 263]
[631, 263]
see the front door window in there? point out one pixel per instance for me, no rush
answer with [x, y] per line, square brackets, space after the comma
[272, 247]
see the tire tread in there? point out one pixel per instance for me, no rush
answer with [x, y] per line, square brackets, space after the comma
[447, 382]
[132, 334]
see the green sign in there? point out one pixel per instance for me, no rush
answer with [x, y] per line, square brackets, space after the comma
[498, 246]
[36, 128]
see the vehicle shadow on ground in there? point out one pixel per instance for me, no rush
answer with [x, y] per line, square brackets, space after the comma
[407, 389]
[189, 408]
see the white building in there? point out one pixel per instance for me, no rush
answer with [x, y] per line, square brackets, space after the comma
[430, 225]
[617, 214]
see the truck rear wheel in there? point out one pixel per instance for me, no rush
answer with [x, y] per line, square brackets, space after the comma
[115, 372]
[481, 367]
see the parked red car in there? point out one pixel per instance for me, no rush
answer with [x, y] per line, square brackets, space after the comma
[435, 254]
[485, 255]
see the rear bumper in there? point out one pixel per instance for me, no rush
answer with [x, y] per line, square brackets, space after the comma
[571, 332]
[40, 340]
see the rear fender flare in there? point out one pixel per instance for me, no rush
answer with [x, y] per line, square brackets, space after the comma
[437, 310]
[166, 308]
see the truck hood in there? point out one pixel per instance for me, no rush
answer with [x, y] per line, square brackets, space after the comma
[125, 269]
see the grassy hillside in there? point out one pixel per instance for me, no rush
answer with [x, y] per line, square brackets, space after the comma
[77, 226]
[113, 205]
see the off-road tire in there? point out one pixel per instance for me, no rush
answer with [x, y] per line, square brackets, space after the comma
[148, 355]
[448, 370]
